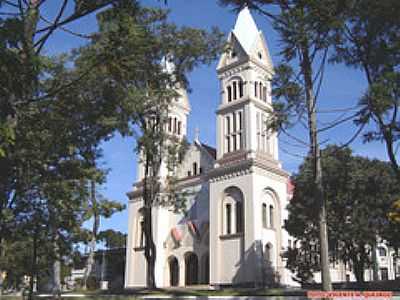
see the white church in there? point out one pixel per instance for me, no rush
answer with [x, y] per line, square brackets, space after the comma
[232, 234]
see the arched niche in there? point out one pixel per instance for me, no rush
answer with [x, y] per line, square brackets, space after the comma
[232, 211]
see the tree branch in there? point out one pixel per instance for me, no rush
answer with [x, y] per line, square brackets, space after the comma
[41, 42]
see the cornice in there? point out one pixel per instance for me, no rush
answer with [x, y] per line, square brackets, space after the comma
[233, 68]
[182, 183]
[264, 68]
[271, 169]
[231, 165]
[228, 171]
[231, 106]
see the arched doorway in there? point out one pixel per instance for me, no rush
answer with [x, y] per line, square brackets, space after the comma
[191, 269]
[205, 264]
[173, 271]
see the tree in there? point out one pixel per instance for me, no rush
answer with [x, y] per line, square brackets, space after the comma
[96, 209]
[56, 112]
[32, 160]
[113, 239]
[359, 195]
[369, 42]
[132, 44]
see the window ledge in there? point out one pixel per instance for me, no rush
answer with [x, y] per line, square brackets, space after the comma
[269, 228]
[231, 236]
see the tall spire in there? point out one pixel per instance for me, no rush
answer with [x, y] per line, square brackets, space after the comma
[246, 30]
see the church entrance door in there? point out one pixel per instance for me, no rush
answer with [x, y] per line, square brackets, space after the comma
[173, 272]
[191, 269]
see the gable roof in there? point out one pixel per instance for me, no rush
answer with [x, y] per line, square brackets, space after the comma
[212, 151]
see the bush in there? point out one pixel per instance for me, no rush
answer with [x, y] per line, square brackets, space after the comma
[92, 283]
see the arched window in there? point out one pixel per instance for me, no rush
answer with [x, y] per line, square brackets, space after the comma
[271, 216]
[229, 89]
[234, 90]
[194, 168]
[239, 217]
[240, 130]
[142, 237]
[175, 125]
[228, 218]
[234, 127]
[228, 134]
[179, 127]
[264, 94]
[256, 89]
[240, 88]
[234, 131]
[268, 253]
[382, 252]
[140, 240]
[233, 211]
[264, 215]
[169, 124]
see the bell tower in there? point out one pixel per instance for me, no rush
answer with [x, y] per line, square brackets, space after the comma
[245, 71]
[248, 196]
[176, 123]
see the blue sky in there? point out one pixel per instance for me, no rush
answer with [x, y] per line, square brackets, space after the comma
[342, 88]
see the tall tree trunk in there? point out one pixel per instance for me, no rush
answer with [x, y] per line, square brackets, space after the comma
[33, 271]
[56, 272]
[2, 254]
[316, 156]
[374, 257]
[358, 272]
[95, 228]
[150, 248]
[359, 259]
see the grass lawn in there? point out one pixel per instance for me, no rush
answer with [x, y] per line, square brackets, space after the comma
[181, 292]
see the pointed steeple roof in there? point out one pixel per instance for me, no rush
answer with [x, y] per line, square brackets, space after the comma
[246, 30]
[168, 67]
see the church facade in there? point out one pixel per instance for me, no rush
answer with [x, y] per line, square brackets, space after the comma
[232, 233]
[237, 194]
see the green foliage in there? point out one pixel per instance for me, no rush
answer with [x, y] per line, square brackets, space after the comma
[93, 283]
[369, 42]
[360, 193]
[55, 112]
[290, 107]
[303, 262]
[173, 196]
[113, 239]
